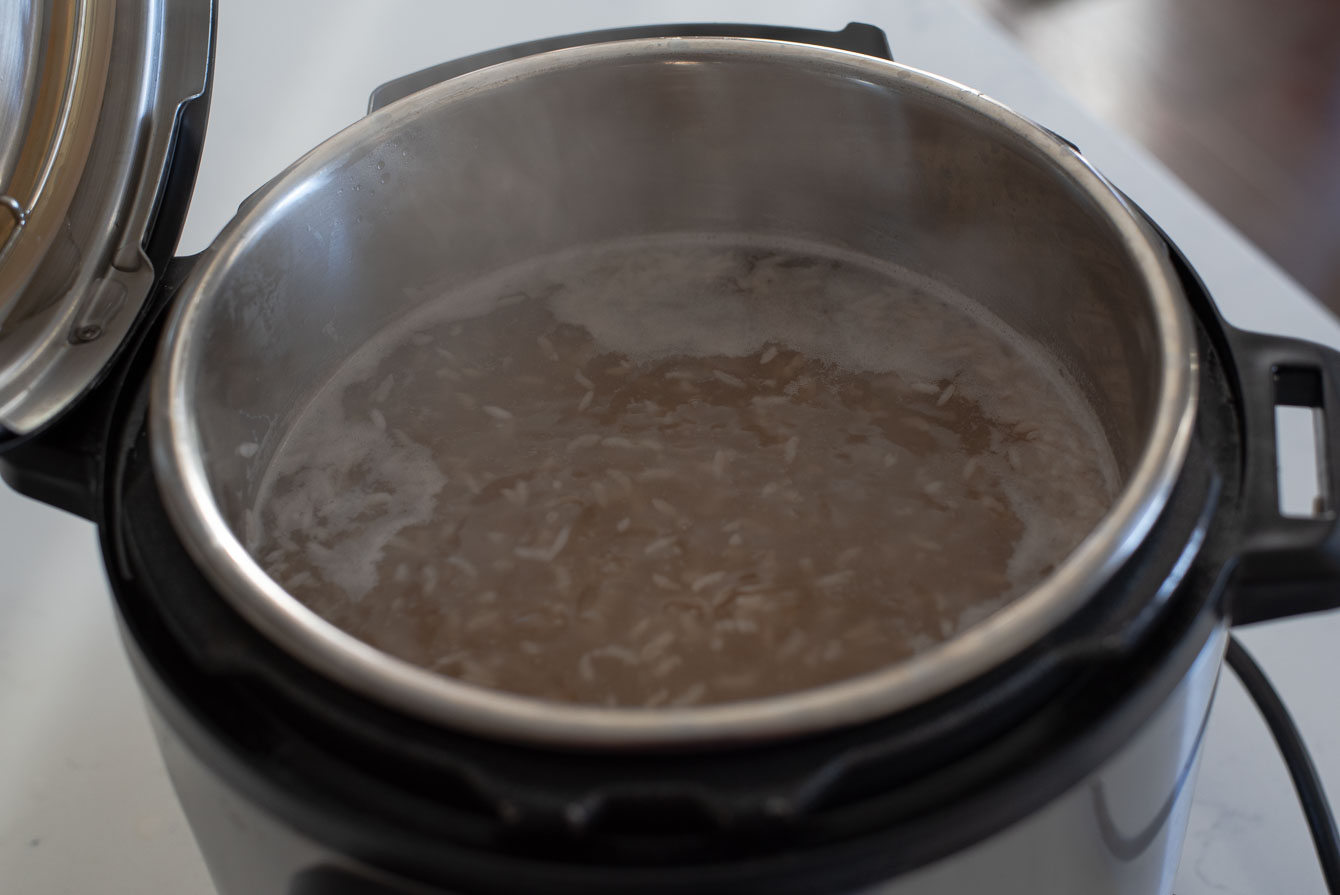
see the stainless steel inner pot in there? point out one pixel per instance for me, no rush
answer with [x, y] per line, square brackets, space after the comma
[657, 136]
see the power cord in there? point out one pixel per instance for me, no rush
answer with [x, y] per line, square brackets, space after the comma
[1316, 809]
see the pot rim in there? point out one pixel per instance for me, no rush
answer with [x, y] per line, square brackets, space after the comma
[178, 459]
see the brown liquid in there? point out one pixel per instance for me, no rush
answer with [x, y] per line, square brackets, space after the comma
[505, 499]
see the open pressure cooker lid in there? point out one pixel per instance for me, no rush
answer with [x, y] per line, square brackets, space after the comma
[91, 94]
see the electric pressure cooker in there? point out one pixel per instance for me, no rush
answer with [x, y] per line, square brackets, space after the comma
[1050, 749]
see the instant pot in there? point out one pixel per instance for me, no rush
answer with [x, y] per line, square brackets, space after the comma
[1049, 750]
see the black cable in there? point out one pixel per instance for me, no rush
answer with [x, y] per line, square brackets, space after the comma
[1317, 810]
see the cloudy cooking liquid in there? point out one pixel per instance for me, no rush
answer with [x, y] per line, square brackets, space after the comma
[679, 471]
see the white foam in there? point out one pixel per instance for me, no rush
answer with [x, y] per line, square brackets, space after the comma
[343, 489]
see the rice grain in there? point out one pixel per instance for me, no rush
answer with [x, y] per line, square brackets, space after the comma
[728, 379]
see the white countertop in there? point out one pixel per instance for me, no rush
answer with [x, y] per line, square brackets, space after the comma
[85, 805]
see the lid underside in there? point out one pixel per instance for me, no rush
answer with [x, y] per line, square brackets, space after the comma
[95, 86]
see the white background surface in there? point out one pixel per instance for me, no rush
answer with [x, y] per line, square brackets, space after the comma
[85, 806]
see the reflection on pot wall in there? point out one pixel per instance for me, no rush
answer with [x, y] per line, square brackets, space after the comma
[1118, 832]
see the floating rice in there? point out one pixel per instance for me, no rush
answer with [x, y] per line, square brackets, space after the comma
[545, 554]
[702, 582]
[586, 666]
[499, 526]
[656, 646]
[666, 665]
[660, 545]
[728, 379]
[719, 460]
[692, 696]
[834, 579]
[562, 579]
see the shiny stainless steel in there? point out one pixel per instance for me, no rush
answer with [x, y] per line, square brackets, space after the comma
[19, 214]
[91, 275]
[64, 64]
[699, 134]
[21, 23]
[1118, 831]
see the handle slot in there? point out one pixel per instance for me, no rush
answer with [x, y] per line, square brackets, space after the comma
[1300, 445]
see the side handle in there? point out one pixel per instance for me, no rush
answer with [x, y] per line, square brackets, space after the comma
[1288, 565]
